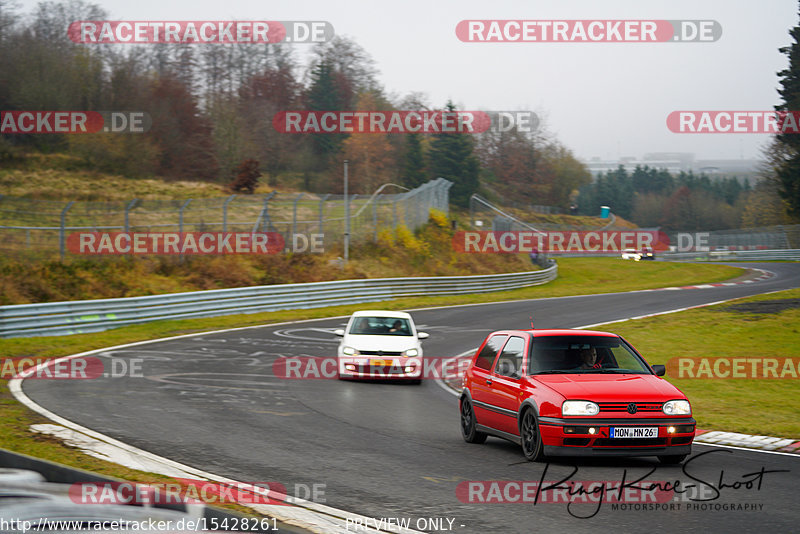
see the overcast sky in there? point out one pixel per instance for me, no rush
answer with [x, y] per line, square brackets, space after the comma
[599, 99]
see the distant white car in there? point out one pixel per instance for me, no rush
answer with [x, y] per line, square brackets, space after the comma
[380, 344]
[631, 254]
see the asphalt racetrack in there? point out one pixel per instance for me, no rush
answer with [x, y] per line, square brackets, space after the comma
[390, 450]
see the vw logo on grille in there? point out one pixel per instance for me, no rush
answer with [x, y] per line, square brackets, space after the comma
[632, 408]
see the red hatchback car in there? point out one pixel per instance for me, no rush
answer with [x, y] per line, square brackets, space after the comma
[573, 393]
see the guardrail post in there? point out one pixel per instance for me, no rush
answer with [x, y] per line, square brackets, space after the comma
[225, 212]
[62, 239]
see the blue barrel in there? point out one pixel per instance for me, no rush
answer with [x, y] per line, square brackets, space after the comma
[604, 212]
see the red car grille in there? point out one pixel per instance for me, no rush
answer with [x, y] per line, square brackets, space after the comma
[623, 406]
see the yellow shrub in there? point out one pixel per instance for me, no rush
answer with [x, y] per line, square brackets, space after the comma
[438, 218]
[408, 241]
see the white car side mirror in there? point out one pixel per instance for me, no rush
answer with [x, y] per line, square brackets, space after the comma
[423, 335]
[339, 332]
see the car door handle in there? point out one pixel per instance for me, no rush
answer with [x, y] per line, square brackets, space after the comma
[488, 381]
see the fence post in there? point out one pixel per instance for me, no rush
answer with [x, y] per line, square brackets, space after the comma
[263, 217]
[180, 215]
[180, 223]
[61, 237]
[417, 215]
[351, 231]
[294, 215]
[375, 219]
[406, 211]
[472, 211]
[346, 215]
[321, 215]
[128, 207]
[225, 213]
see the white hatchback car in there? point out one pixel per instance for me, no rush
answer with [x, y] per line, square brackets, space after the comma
[631, 254]
[380, 344]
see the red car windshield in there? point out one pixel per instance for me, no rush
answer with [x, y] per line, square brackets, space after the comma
[583, 354]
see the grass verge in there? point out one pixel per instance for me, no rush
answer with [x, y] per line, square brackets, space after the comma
[751, 406]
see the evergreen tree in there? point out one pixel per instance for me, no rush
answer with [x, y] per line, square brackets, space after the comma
[325, 95]
[413, 173]
[452, 158]
[788, 170]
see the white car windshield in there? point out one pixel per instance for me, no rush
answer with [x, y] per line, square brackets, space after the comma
[381, 326]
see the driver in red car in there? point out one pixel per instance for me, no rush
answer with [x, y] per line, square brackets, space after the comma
[589, 359]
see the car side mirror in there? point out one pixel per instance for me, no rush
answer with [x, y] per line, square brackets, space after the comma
[659, 370]
[339, 332]
[423, 335]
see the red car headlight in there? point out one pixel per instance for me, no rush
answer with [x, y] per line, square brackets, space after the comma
[677, 407]
[574, 407]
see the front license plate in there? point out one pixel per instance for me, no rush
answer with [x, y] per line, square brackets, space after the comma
[381, 363]
[633, 432]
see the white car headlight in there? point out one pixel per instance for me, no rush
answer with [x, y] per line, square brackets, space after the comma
[572, 407]
[677, 407]
[350, 351]
[412, 352]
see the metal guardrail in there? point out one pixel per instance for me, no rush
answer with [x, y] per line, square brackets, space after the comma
[78, 317]
[735, 255]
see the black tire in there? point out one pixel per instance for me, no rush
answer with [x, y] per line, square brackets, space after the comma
[468, 426]
[530, 437]
[672, 459]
